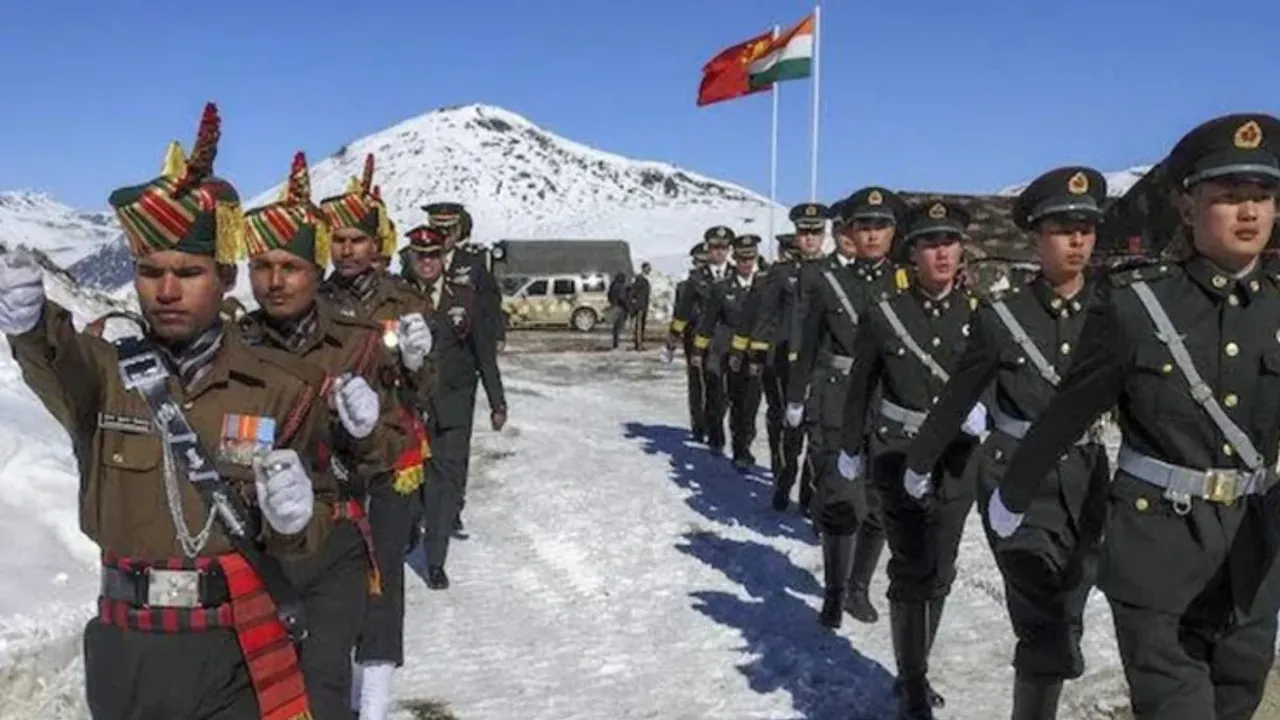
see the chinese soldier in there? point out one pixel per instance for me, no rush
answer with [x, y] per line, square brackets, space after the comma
[696, 299]
[465, 348]
[1187, 351]
[908, 345]
[1023, 341]
[200, 460]
[684, 336]
[762, 351]
[358, 288]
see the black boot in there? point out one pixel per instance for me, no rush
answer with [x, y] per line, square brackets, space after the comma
[1035, 698]
[935, 621]
[866, 555]
[781, 498]
[436, 578]
[837, 556]
[909, 624]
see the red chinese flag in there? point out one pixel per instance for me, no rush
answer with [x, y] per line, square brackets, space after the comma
[725, 76]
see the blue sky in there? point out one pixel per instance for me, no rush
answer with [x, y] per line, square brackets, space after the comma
[925, 94]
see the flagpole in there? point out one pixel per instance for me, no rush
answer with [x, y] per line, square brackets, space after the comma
[813, 148]
[773, 162]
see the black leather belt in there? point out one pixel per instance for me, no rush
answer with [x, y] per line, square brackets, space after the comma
[158, 587]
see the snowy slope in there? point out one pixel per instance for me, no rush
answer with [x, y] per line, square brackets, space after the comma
[1118, 183]
[38, 221]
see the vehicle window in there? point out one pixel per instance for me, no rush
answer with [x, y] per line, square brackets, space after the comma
[511, 285]
[565, 287]
[594, 284]
[537, 287]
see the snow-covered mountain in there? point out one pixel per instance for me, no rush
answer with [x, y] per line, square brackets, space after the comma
[38, 221]
[1118, 183]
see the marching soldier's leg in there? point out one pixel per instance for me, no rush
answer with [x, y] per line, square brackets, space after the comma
[775, 407]
[1165, 681]
[381, 647]
[868, 545]
[697, 393]
[838, 506]
[441, 492]
[736, 384]
[751, 408]
[713, 380]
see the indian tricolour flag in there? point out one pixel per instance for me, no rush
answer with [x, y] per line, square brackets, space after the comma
[788, 57]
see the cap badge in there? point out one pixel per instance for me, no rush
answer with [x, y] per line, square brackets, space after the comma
[1078, 184]
[1248, 136]
[810, 210]
[875, 198]
[938, 211]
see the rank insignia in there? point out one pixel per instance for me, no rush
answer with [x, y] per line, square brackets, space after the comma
[1078, 184]
[1248, 136]
[938, 211]
[875, 198]
[125, 423]
[244, 437]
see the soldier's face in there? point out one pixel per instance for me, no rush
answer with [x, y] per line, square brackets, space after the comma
[870, 239]
[744, 266]
[283, 283]
[1065, 247]
[718, 255]
[180, 294]
[352, 252]
[937, 259]
[427, 266]
[1231, 221]
[808, 242]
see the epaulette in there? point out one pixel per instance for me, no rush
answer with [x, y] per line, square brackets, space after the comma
[1147, 273]
[901, 279]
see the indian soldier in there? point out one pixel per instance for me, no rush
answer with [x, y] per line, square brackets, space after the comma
[358, 288]
[464, 349]
[639, 304]
[834, 297]
[908, 344]
[775, 327]
[1022, 341]
[728, 306]
[1186, 351]
[762, 351]
[287, 244]
[693, 303]
[199, 460]
[470, 265]
[681, 331]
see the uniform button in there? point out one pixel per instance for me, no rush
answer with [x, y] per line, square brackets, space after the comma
[1063, 313]
[1021, 360]
[883, 429]
[1166, 368]
[1141, 504]
[1219, 281]
[1056, 303]
[117, 457]
[997, 455]
[1230, 400]
[936, 342]
[1227, 449]
[1253, 285]
[1233, 300]
[1066, 348]
[188, 405]
[934, 400]
[1231, 349]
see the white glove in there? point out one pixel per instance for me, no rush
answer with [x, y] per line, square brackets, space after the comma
[849, 466]
[795, 414]
[668, 355]
[357, 405]
[975, 423]
[21, 293]
[1004, 522]
[415, 340]
[284, 491]
[917, 485]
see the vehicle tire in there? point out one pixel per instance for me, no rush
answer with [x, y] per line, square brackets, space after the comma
[583, 320]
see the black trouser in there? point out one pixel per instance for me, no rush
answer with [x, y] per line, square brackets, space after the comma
[744, 407]
[791, 440]
[697, 389]
[334, 586]
[1194, 639]
[619, 323]
[773, 389]
[135, 675]
[444, 488]
[1049, 564]
[840, 506]
[639, 324]
[392, 516]
[924, 535]
[717, 398]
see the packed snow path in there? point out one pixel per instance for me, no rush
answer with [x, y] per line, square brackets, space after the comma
[616, 570]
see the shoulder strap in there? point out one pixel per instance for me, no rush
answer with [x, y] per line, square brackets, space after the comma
[901, 331]
[1025, 342]
[841, 295]
[1200, 390]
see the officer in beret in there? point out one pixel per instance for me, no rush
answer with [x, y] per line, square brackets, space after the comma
[718, 240]
[834, 296]
[719, 336]
[1023, 341]
[908, 344]
[770, 346]
[696, 392]
[1188, 352]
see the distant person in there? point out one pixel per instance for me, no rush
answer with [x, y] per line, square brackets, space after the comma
[618, 305]
[639, 303]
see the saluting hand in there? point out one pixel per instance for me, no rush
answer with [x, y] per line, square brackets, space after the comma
[357, 405]
[21, 293]
[284, 491]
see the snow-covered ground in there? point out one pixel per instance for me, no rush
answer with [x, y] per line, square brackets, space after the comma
[613, 570]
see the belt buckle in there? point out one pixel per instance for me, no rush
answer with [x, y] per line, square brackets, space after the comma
[1220, 486]
[173, 588]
